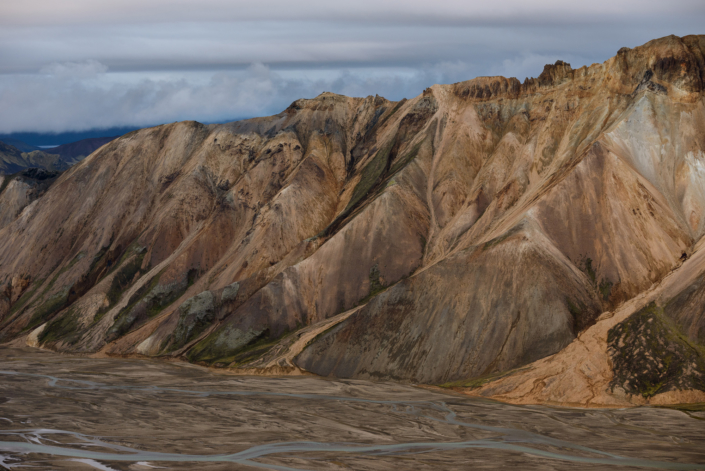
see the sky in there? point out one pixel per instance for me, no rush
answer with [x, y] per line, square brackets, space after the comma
[80, 65]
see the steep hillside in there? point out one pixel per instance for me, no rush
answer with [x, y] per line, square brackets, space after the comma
[470, 232]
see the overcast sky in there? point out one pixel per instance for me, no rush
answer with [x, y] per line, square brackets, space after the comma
[73, 65]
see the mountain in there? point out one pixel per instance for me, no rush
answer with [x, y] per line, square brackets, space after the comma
[19, 145]
[74, 152]
[12, 160]
[537, 242]
[21, 189]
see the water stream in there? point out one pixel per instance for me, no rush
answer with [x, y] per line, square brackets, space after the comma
[21, 441]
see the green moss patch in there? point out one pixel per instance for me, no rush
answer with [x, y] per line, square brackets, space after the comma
[224, 344]
[195, 315]
[146, 303]
[605, 289]
[650, 355]
[370, 175]
[98, 260]
[62, 328]
[379, 168]
[406, 159]
[392, 113]
[231, 346]
[26, 296]
[255, 349]
[377, 285]
[603, 286]
[374, 177]
[696, 407]
[44, 312]
[124, 277]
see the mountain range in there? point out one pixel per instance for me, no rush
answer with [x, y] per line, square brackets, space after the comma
[16, 155]
[534, 242]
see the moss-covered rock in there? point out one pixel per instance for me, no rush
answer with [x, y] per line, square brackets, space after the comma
[65, 327]
[195, 314]
[223, 345]
[146, 303]
[53, 304]
[650, 355]
[125, 275]
[230, 292]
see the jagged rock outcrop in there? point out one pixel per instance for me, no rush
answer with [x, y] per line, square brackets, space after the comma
[472, 231]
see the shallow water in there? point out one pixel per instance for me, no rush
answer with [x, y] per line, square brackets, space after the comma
[78, 413]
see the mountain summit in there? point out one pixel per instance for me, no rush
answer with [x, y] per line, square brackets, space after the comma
[537, 242]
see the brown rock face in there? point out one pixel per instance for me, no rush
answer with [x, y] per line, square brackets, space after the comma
[421, 330]
[472, 230]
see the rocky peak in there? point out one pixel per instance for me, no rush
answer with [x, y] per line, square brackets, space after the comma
[555, 74]
[484, 88]
[670, 61]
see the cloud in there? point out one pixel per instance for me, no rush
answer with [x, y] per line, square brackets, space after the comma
[80, 64]
[67, 97]
[444, 12]
[80, 70]
[129, 35]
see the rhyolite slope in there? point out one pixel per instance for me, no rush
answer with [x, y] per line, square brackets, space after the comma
[476, 229]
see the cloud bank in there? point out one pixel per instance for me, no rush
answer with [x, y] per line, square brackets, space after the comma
[84, 95]
[80, 64]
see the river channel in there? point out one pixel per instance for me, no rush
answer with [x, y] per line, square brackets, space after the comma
[71, 412]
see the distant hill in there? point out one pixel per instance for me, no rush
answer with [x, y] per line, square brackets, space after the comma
[76, 151]
[13, 160]
[21, 145]
[20, 189]
[43, 139]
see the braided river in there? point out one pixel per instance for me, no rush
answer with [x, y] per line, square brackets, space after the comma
[72, 412]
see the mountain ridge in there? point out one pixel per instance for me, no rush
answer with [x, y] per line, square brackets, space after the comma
[476, 230]
[59, 158]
